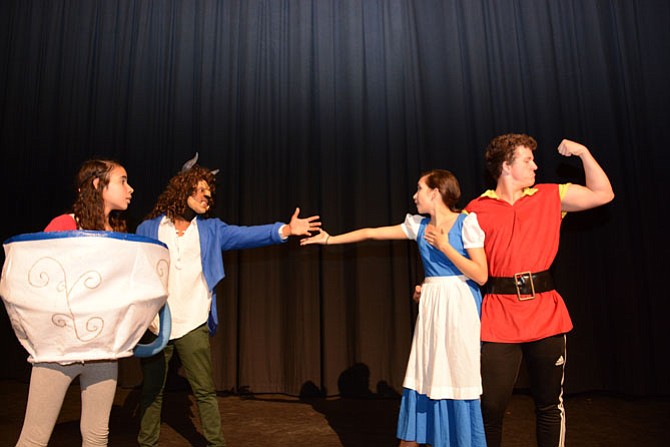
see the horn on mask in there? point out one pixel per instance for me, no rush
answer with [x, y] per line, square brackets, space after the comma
[189, 164]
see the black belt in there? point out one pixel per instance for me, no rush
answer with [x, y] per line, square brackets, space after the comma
[523, 284]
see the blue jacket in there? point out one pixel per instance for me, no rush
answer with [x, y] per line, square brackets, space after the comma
[216, 237]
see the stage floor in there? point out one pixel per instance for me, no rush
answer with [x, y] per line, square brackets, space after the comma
[593, 420]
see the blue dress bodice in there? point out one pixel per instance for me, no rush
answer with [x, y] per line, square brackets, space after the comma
[436, 263]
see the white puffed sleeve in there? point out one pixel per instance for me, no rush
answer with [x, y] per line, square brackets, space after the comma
[473, 235]
[411, 225]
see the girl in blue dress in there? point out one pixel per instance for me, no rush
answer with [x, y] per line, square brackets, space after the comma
[440, 402]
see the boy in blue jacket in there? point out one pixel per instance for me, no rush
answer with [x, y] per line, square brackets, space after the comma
[196, 242]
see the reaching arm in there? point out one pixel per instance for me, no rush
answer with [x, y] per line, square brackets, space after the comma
[474, 268]
[597, 191]
[394, 232]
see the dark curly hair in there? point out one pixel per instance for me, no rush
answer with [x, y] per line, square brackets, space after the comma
[447, 184]
[89, 206]
[502, 148]
[173, 200]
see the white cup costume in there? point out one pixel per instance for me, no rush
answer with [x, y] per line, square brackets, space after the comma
[78, 296]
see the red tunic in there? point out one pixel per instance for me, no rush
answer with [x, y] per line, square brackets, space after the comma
[64, 222]
[519, 238]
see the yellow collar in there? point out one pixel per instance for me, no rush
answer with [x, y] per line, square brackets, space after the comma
[490, 193]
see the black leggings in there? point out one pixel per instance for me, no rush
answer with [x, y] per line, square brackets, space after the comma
[545, 360]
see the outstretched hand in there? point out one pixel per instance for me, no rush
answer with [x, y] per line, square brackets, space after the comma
[302, 226]
[568, 148]
[320, 238]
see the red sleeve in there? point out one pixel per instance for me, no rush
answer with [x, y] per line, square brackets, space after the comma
[64, 222]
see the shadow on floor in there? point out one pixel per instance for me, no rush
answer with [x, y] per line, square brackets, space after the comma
[594, 420]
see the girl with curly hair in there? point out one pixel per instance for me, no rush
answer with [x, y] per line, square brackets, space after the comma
[102, 193]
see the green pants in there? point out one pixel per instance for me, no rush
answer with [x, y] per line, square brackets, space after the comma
[194, 351]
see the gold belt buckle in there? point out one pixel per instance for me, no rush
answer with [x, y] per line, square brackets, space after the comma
[520, 280]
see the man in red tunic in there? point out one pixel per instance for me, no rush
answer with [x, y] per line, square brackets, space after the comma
[523, 316]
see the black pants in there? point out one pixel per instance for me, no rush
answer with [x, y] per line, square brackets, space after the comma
[545, 360]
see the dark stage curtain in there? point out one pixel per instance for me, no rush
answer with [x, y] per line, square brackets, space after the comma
[338, 107]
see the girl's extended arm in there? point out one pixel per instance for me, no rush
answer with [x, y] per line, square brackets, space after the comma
[393, 232]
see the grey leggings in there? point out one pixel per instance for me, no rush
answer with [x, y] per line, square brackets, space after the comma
[49, 383]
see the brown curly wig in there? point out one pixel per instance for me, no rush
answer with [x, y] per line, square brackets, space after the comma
[173, 200]
[502, 149]
[89, 206]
